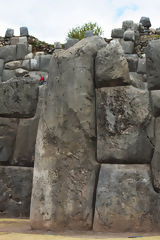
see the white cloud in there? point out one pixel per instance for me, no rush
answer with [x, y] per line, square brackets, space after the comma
[50, 20]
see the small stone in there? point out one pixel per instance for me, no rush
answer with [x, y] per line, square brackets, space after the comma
[21, 51]
[117, 33]
[132, 60]
[141, 65]
[20, 72]
[129, 24]
[29, 48]
[14, 40]
[29, 56]
[24, 31]
[145, 21]
[9, 33]
[128, 46]
[129, 35]
[13, 65]
[39, 53]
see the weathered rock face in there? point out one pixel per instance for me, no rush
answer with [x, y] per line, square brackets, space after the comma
[123, 114]
[111, 67]
[126, 200]
[152, 64]
[8, 131]
[18, 98]
[15, 191]
[155, 164]
[155, 100]
[65, 159]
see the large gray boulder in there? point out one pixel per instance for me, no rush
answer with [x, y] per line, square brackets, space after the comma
[15, 191]
[111, 67]
[65, 169]
[8, 131]
[8, 53]
[152, 64]
[18, 98]
[126, 200]
[123, 114]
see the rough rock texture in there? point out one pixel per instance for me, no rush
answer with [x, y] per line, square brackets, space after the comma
[111, 66]
[127, 46]
[145, 21]
[13, 65]
[25, 142]
[132, 60]
[152, 64]
[24, 152]
[8, 53]
[18, 98]
[142, 65]
[128, 24]
[8, 131]
[155, 101]
[123, 114]
[129, 35]
[7, 75]
[117, 33]
[65, 158]
[15, 191]
[136, 80]
[126, 200]
[155, 164]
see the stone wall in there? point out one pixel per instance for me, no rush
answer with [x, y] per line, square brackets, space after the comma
[97, 149]
[20, 105]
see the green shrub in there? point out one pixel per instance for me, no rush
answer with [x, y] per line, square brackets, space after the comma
[79, 32]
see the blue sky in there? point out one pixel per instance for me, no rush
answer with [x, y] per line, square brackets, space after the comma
[50, 20]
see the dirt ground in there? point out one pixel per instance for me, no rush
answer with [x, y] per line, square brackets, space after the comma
[19, 229]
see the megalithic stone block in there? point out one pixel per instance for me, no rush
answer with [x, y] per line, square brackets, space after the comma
[126, 200]
[123, 115]
[65, 162]
[18, 98]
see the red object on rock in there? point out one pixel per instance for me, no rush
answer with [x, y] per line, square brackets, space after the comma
[42, 79]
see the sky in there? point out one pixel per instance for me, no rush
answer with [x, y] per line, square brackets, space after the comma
[51, 20]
